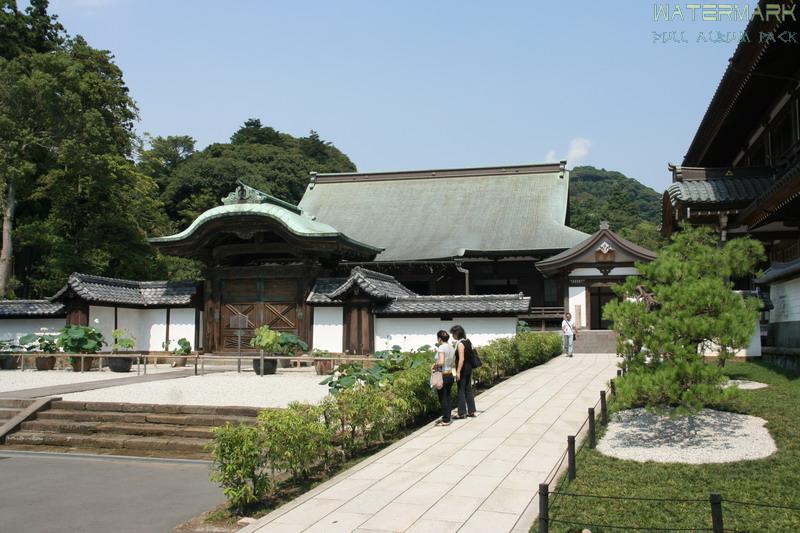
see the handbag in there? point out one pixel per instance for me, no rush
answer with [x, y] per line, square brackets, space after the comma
[437, 381]
[474, 360]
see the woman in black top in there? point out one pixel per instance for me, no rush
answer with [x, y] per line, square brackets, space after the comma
[466, 399]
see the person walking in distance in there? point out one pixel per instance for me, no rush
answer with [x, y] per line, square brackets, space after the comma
[466, 399]
[568, 332]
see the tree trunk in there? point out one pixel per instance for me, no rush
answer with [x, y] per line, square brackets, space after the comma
[6, 253]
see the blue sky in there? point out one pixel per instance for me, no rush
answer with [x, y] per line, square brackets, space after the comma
[419, 84]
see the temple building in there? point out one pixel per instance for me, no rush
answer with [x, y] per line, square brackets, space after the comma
[364, 262]
[741, 173]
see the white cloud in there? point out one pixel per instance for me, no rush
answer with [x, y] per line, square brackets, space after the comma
[578, 149]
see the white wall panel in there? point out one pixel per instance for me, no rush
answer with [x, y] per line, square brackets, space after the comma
[577, 305]
[411, 333]
[328, 329]
[129, 320]
[181, 325]
[101, 318]
[785, 296]
[11, 329]
[153, 329]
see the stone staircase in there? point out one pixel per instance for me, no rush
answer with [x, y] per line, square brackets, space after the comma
[595, 341]
[146, 430]
[11, 407]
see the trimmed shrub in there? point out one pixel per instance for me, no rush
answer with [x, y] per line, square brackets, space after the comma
[295, 439]
[240, 465]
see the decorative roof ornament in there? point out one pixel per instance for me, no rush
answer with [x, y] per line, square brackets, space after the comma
[605, 247]
[604, 224]
[245, 194]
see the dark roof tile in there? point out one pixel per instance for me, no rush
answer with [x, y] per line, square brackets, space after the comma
[38, 308]
[98, 289]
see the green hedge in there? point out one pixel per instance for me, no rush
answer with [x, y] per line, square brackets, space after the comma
[305, 437]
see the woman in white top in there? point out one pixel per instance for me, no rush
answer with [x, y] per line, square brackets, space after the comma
[568, 331]
[445, 361]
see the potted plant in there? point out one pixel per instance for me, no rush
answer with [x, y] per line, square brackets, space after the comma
[184, 348]
[7, 361]
[272, 342]
[80, 339]
[121, 343]
[323, 367]
[41, 342]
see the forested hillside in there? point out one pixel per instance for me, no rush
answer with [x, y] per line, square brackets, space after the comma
[632, 209]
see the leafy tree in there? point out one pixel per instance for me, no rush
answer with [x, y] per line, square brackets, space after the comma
[681, 302]
[164, 155]
[258, 155]
[66, 141]
[599, 194]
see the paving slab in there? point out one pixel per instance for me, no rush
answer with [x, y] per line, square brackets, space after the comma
[480, 474]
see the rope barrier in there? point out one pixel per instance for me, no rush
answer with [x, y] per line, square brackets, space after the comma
[575, 522]
[554, 470]
[759, 504]
[634, 498]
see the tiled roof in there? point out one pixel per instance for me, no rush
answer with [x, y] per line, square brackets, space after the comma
[779, 271]
[99, 289]
[493, 304]
[40, 308]
[446, 213]
[718, 191]
[396, 299]
[375, 284]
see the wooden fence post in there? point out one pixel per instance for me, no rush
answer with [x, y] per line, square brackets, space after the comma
[716, 512]
[544, 517]
[592, 429]
[571, 457]
[603, 408]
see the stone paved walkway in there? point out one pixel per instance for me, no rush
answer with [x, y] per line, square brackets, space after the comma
[479, 474]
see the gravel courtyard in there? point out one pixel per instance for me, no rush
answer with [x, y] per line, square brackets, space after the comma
[14, 380]
[225, 388]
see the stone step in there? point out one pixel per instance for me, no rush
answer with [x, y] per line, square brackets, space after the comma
[7, 413]
[115, 428]
[115, 442]
[168, 454]
[141, 418]
[15, 403]
[157, 408]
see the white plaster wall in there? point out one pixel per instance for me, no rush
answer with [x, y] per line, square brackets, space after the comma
[152, 329]
[411, 333]
[753, 349]
[785, 296]
[14, 328]
[328, 329]
[102, 319]
[181, 325]
[129, 320]
[577, 297]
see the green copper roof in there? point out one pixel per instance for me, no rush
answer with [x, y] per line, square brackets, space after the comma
[292, 218]
[440, 214]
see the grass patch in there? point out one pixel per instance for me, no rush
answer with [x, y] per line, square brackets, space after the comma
[774, 480]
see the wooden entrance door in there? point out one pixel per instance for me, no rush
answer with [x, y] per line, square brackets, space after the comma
[598, 298]
[359, 329]
[251, 303]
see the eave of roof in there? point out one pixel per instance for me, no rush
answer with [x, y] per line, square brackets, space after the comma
[565, 258]
[374, 284]
[719, 191]
[123, 292]
[457, 305]
[31, 308]
[780, 271]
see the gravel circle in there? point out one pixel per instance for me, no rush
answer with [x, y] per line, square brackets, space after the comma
[746, 384]
[18, 380]
[224, 388]
[707, 437]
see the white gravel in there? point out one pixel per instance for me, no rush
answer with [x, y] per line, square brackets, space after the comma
[226, 388]
[707, 437]
[746, 384]
[14, 380]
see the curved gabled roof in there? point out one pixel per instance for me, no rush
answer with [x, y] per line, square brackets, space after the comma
[299, 225]
[604, 235]
[125, 292]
